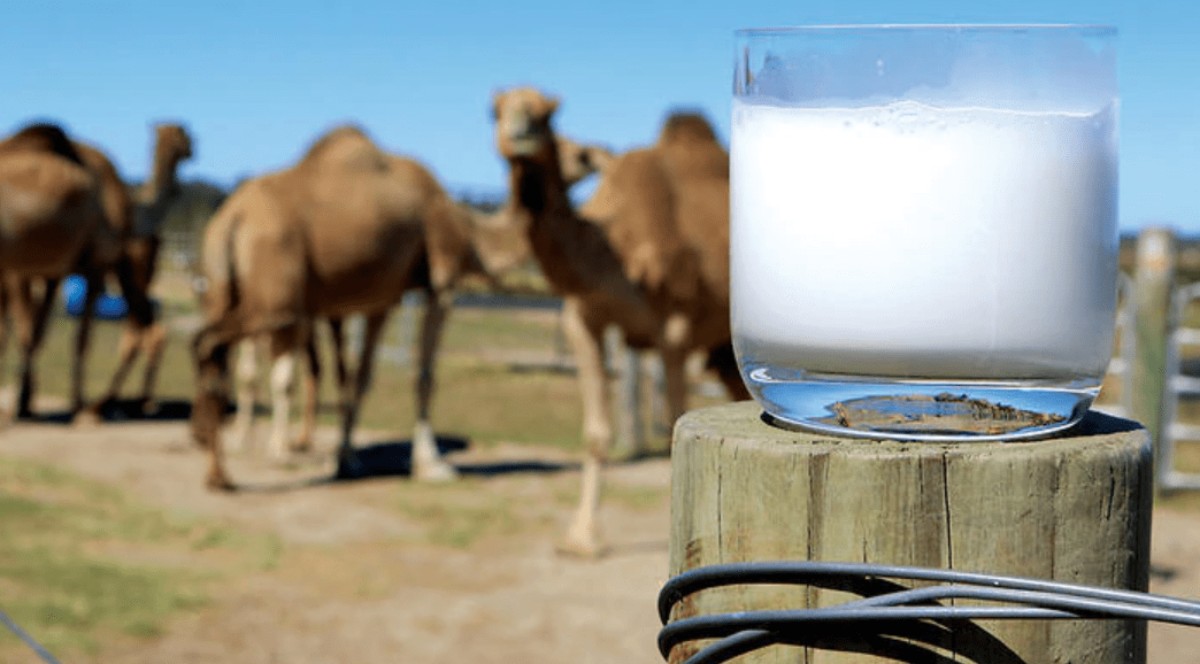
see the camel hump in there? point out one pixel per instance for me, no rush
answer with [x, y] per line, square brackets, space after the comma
[637, 205]
[690, 150]
[687, 126]
[414, 175]
[347, 146]
[42, 137]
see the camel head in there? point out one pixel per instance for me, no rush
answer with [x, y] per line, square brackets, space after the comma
[172, 141]
[579, 161]
[523, 128]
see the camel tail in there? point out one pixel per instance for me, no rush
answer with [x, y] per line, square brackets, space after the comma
[218, 266]
[217, 285]
[221, 282]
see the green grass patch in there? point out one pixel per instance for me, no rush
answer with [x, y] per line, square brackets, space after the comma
[459, 516]
[637, 498]
[80, 562]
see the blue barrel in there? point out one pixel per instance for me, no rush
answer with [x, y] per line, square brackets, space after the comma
[107, 307]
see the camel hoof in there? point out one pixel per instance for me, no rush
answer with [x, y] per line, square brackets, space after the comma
[85, 418]
[350, 468]
[301, 445]
[277, 450]
[220, 483]
[435, 472]
[579, 545]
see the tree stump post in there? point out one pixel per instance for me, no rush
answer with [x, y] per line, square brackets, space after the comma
[1075, 508]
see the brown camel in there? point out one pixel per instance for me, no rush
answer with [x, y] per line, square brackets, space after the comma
[143, 333]
[130, 258]
[648, 253]
[346, 231]
[52, 220]
[499, 240]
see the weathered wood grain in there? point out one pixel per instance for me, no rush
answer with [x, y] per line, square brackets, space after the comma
[1073, 508]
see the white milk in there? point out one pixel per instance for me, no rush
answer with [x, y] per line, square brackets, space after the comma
[911, 241]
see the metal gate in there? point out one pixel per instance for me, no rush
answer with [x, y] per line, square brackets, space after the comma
[1182, 384]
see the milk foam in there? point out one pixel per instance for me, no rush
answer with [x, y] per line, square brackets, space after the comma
[907, 240]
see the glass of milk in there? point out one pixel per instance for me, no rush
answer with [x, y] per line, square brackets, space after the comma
[923, 226]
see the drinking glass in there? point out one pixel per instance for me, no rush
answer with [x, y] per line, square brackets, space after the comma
[923, 226]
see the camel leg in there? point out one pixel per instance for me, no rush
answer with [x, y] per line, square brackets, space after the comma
[312, 386]
[722, 360]
[211, 353]
[587, 341]
[312, 383]
[675, 373]
[427, 464]
[154, 340]
[140, 328]
[83, 337]
[348, 463]
[154, 336]
[673, 346]
[5, 330]
[23, 312]
[245, 388]
[339, 351]
[283, 369]
[32, 318]
[126, 353]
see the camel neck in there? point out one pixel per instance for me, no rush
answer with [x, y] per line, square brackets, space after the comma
[158, 188]
[539, 191]
[154, 196]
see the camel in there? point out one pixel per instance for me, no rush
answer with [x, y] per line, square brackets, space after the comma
[500, 242]
[52, 219]
[172, 145]
[647, 253]
[348, 230]
[129, 223]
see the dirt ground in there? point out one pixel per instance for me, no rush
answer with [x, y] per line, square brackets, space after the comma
[505, 598]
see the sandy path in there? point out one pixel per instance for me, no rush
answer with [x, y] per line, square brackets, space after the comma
[355, 591]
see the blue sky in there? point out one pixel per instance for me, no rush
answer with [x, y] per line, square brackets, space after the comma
[257, 82]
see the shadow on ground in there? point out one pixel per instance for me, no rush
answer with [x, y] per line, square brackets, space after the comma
[123, 410]
[394, 459]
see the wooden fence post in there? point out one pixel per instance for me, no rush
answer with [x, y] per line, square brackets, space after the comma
[629, 419]
[1154, 277]
[1074, 508]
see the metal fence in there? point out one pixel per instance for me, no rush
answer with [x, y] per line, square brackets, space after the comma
[1181, 384]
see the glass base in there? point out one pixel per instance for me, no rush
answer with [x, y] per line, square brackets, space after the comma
[921, 410]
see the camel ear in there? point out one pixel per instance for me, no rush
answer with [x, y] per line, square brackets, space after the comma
[551, 105]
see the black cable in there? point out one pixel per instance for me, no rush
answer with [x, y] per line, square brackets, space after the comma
[890, 608]
[844, 576]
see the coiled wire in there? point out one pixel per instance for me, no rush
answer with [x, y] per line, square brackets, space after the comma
[892, 610]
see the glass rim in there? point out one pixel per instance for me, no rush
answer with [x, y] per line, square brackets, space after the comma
[1093, 28]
